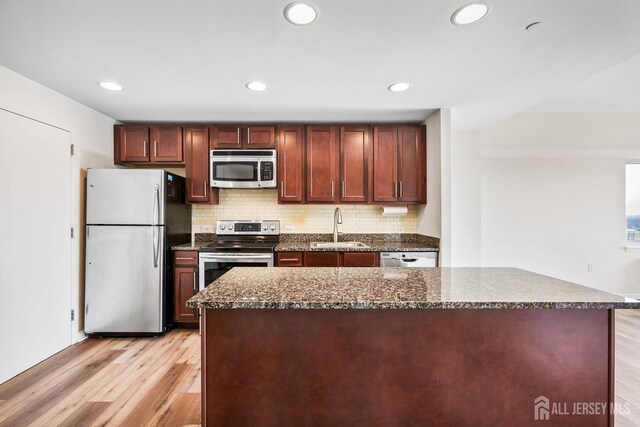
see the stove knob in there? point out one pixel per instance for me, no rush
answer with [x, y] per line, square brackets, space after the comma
[265, 227]
[222, 226]
[273, 227]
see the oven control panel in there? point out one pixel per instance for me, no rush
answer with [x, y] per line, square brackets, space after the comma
[252, 228]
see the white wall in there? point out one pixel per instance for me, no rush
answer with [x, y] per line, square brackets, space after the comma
[92, 134]
[434, 219]
[465, 198]
[552, 196]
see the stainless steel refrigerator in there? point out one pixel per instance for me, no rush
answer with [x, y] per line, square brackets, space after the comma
[134, 216]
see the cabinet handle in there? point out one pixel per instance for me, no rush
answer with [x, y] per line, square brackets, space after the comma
[155, 148]
[144, 148]
[343, 189]
[288, 259]
[395, 189]
[238, 137]
[248, 135]
[194, 281]
[332, 189]
[282, 189]
[204, 184]
[401, 189]
[184, 257]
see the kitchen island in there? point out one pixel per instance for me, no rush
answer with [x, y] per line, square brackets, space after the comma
[391, 346]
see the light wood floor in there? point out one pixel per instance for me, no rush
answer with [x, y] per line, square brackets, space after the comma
[133, 382]
[156, 381]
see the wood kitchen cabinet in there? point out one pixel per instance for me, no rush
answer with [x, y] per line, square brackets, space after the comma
[131, 144]
[196, 149]
[399, 164]
[322, 164]
[289, 259]
[291, 164]
[243, 137]
[139, 144]
[185, 286]
[166, 144]
[354, 163]
[335, 259]
[361, 259]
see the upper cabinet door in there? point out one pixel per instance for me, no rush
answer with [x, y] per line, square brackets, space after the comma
[166, 144]
[261, 137]
[385, 164]
[411, 164]
[354, 163]
[133, 143]
[322, 164]
[226, 137]
[291, 164]
[197, 166]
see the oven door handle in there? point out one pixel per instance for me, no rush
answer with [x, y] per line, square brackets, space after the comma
[210, 257]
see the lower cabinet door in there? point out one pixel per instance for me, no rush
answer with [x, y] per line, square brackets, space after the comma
[322, 259]
[185, 286]
[361, 259]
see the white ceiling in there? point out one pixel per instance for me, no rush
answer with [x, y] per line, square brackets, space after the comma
[614, 90]
[189, 60]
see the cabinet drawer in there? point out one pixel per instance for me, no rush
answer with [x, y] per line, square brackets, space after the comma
[322, 259]
[361, 259]
[186, 258]
[289, 259]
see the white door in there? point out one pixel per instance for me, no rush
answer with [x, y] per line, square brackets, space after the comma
[35, 242]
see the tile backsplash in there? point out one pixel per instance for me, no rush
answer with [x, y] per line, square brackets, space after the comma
[263, 204]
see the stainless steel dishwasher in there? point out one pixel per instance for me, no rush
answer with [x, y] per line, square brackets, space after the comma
[408, 259]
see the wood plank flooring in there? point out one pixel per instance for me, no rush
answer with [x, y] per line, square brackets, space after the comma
[156, 382]
[109, 382]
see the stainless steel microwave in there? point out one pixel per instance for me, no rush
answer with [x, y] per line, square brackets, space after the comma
[243, 168]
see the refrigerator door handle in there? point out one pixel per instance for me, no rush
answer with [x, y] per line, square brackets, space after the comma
[156, 234]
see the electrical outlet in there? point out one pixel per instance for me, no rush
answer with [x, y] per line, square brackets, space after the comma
[207, 229]
[590, 267]
[399, 229]
[289, 229]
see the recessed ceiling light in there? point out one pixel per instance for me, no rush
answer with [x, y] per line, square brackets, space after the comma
[398, 87]
[256, 86]
[470, 13]
[299, 13]
[111, 86]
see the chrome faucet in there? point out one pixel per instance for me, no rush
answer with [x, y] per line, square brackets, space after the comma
[337, 219]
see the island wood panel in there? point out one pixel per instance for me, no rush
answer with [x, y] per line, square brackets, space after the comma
[291, 164]
[403, 367]
[142, 358]
[322, 164]
[354, 163]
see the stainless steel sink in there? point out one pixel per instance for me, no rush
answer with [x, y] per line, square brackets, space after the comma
[338, 245]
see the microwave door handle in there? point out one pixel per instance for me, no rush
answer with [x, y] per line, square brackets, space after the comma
[259, 173]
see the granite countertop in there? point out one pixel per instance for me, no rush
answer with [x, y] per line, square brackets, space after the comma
[399, 288]
[377, 242]
[191, 246]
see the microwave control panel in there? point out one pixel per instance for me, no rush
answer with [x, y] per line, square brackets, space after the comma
[266, 171]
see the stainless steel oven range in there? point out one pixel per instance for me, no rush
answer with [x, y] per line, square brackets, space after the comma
[238, 244]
